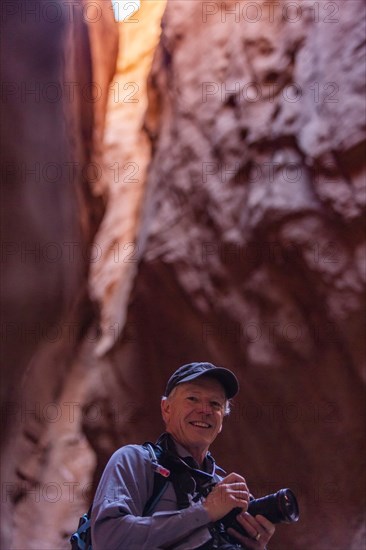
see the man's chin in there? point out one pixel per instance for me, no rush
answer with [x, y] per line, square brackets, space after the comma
[203, 440]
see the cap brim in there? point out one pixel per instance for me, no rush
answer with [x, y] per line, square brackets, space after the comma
[226, 378]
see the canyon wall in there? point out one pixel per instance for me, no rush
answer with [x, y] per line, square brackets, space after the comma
[57, 61]
[230, 230]
[251, 251]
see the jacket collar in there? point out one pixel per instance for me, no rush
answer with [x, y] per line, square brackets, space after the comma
[210, 467]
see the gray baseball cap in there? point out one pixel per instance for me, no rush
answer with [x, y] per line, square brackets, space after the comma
[191, 371]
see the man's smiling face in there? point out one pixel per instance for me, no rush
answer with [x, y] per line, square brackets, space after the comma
[193, 414]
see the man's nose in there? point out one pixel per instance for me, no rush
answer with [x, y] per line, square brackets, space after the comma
[204, 408]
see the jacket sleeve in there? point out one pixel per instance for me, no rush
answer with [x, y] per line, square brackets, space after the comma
[117, 521]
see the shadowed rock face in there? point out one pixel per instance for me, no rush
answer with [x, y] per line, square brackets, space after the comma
[51, 138]
[251, 251]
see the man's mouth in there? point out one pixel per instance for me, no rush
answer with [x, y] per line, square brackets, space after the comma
[199, 424]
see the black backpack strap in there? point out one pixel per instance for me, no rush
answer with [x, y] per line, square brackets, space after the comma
[161, 475]
[188, 482]
[81, 539]
[166, 469]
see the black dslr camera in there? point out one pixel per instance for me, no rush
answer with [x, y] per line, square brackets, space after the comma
[280, 507]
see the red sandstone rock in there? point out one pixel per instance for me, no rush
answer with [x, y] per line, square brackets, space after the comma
[251, 246]
[251, 254]
[52, 128]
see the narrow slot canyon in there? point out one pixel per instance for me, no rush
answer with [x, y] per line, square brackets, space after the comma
[185, 184]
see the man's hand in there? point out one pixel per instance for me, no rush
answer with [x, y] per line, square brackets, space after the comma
[259, 530]
[229, 493]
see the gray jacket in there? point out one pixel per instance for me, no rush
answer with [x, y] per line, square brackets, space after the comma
[125, 487]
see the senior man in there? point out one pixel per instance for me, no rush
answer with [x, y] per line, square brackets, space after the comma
[129, 511]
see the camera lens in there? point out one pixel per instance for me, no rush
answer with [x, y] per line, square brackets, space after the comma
[288, 504]
[280, 507]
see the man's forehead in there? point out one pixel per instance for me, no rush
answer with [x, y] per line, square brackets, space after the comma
[204, 383]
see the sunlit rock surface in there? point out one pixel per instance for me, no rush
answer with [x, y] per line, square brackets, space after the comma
[127, 155]
[251, 250]
[242, 243]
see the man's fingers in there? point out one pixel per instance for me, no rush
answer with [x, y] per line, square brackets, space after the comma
[268, 526]
[249, 524]
[243, 495]
[239, 491]
[237, 486]
[232, 487]
[232, 478]
[258, 531]
[256, 524]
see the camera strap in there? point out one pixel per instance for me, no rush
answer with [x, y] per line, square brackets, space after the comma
[217, 542]
[189, 481]
[191, 484]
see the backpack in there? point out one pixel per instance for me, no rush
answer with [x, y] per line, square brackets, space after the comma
[163, 467]
[81, 539]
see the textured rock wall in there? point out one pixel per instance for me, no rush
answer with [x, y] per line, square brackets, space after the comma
[126, 163]
[251, 250]
[244, 246]
[57, 61]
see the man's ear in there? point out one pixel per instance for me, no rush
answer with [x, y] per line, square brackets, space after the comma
[220, 430]
[165, 409]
